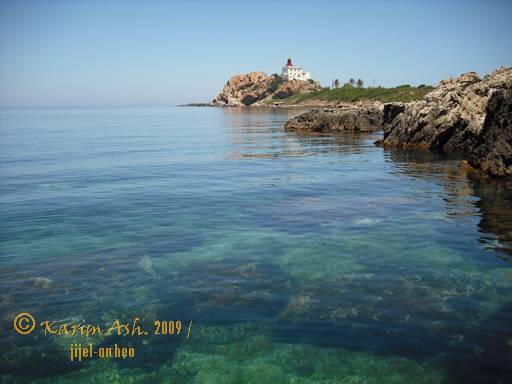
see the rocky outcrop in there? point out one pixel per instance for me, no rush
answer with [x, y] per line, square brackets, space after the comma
[244, 89]
[294, 87]
[250, 88]
[468, 116]
[493, 147]
[354, 118]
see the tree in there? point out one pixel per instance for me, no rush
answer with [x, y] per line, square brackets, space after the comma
[352, 81]
[360, 83]
[336, 83]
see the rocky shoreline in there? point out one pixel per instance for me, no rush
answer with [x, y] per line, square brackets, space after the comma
[467, 116]
[316, 104]
[346, 118]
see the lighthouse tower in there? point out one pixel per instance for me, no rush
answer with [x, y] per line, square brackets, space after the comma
[291, 72]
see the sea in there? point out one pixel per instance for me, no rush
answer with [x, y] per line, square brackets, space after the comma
[216, 247]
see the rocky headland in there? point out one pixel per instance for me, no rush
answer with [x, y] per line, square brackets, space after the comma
[255, 87]
[468, 116]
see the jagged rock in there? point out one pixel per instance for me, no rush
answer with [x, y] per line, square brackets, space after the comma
[244, 89]
[493, 148]
[293, 87]
[468, 115]
[249, 88]
[232, 287]
[390, 111]
[349, 119]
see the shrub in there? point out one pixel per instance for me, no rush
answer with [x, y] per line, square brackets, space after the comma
[275, 83]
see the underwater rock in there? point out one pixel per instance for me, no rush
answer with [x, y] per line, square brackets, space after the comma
[146, 265]
[383, 307]
[43, 282]
[241, 353]
[31, 358]
[367, 221]
[486, 357]
[232, 289]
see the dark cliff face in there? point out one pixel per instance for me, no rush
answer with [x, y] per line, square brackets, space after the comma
[391, 111]
[493, 147]
[467, 116]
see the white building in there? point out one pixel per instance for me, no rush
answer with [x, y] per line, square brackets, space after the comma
[294, 73]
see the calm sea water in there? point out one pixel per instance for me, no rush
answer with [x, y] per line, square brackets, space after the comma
[299, 259]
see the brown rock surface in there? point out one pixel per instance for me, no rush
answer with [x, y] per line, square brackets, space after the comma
[249, 88]
[293, 87]
[244, 89]
[354, 118]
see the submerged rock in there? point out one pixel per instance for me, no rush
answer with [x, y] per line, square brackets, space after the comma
[468, 116]
[487, 357]
[248, 353]
[231, 289]
[354, 118]
[376, 310]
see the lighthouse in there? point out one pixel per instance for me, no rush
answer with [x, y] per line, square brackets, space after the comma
[291, 72]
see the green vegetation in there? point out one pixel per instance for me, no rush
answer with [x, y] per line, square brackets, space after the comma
[347, 93]
[276, 82]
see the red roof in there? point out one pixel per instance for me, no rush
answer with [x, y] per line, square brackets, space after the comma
[289, 63]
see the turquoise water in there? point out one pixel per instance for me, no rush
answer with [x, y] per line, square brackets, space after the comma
[299, 259]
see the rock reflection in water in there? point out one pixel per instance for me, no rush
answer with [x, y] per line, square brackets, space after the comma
[495, 204]
[466, 194]
[254, 135]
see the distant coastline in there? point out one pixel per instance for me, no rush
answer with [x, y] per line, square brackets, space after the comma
[295, 87]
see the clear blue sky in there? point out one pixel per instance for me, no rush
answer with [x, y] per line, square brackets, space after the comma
[163, 52]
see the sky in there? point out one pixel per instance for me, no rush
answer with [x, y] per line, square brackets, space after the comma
[113, 52]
